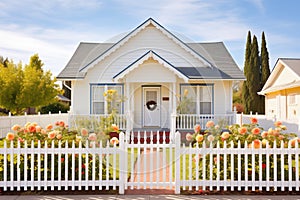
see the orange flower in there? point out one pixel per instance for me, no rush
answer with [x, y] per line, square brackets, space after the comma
[253, 120]
[210, 124]
[264, 134]
[115, 127]
[278, 123]
[61, 123]
[225, 135]
[52, 134]
[10, 136]
[242, 130]
[188, 137]
[21, 139]
[293, 142]
[31, 128]
[255, 131]
[16, 127]
[197, 128]
[280, 137]
[84, 132]
[114, 141]
[199, 138]
[49, 127]
[256, 144]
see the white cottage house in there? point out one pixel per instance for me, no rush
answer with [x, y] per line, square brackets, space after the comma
[282, 91]
[153, 68]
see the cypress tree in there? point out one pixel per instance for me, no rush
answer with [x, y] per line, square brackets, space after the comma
[265, 69]
[254, 77]
[245, 92]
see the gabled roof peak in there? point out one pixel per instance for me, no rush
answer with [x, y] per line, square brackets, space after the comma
[136, 31]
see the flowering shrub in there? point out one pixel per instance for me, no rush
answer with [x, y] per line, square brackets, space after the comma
[32, 133]
[248, 134]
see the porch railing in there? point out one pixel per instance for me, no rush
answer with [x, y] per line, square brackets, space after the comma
[188, 121]
[93, 122]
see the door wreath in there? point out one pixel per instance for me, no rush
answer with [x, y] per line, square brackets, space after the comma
[151, 105]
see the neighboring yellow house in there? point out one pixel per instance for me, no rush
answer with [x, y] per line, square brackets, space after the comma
[282, 91]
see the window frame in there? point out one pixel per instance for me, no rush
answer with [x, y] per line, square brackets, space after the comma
[105, 85]
[198, 96]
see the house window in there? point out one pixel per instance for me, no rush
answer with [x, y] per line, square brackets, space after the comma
[197, 99]
[292, 99]
[98, 104]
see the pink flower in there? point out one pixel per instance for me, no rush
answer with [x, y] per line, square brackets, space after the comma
[210, 138]
[188, 137]
[38, 129]
[59, 136]
[10, 136]
[92, 137]
[84, 132]
[114, 140]
[21, 139]
[225, 135]
[43, 131]
[197, 128]
[210, 124]
[52, 134]
[16, 127]
[61, 123]
[199, 138]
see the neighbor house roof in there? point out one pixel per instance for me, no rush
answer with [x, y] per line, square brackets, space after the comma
[291, 63]
[214, 55]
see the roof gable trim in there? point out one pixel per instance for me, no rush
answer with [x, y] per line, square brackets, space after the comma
[144, 57]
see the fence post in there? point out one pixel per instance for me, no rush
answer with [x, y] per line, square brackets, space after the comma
[122, 163]
[177, 162]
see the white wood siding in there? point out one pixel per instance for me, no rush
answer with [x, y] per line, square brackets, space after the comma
[284, 77]
[81, 97]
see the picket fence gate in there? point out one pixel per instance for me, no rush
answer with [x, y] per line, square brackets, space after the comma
[148, 163]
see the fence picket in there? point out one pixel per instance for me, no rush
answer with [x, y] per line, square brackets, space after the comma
[297, 166]
[18, 169]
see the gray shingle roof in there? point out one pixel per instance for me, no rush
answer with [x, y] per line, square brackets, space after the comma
[293, 63]
[216, 53]
[83, 55]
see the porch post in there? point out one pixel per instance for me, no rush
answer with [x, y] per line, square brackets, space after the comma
[173, 93]
[128, 107]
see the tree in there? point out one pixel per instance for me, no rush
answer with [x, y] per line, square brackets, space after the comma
[245, 92]
[253, 79]
[265, 68]
[10, 83]
[27, 87]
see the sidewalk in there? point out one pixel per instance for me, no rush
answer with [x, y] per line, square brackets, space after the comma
[148, 197]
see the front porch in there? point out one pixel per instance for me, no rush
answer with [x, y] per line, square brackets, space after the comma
[178, 122]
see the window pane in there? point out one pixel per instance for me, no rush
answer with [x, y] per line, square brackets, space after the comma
[205, 108]
[97, 92]
[98, 108]
[117, 105]
[188, 100]
[205, 94]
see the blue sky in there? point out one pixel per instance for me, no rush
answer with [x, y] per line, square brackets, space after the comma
[54, 28]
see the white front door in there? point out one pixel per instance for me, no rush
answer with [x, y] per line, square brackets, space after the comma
[151, 106]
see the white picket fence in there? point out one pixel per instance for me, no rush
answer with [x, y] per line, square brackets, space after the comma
[140, 162]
